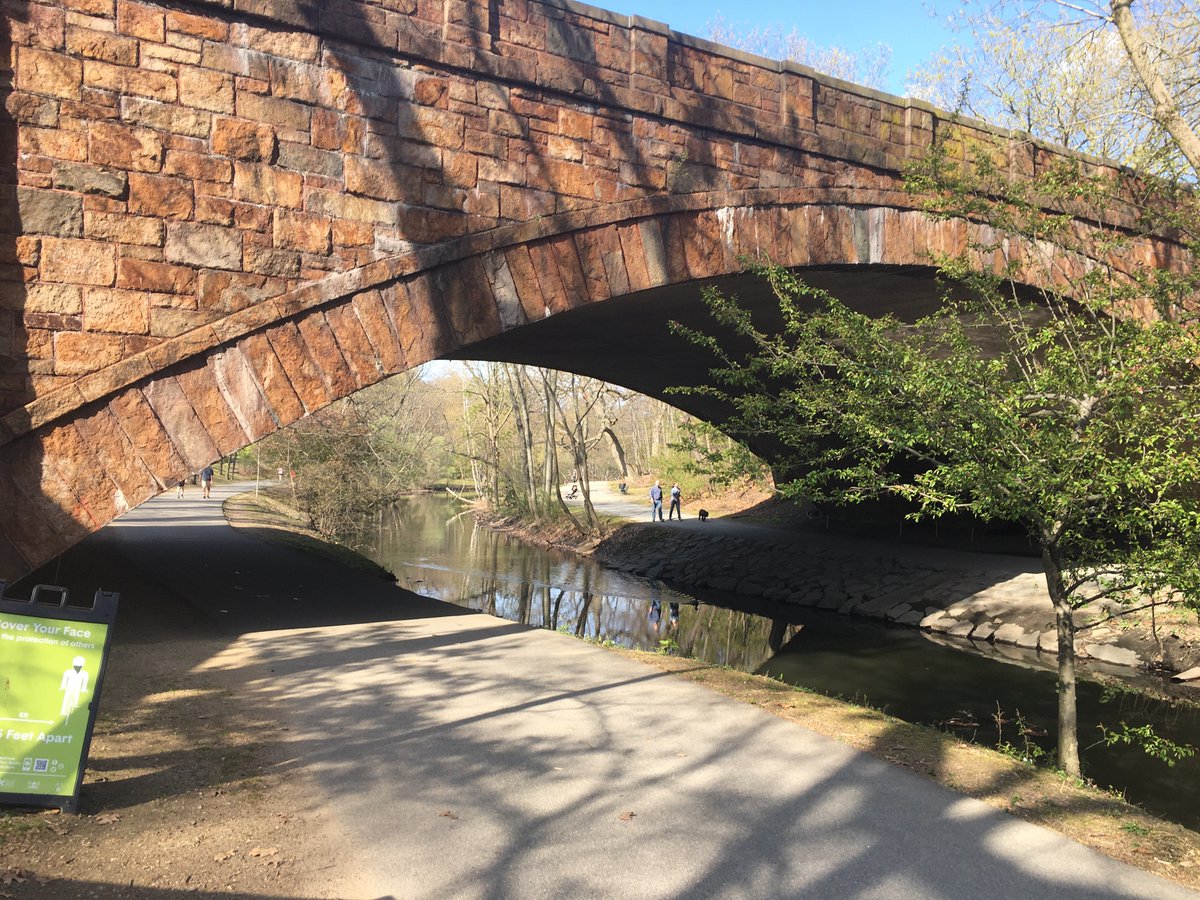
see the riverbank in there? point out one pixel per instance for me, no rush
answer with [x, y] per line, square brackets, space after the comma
[1088, 816]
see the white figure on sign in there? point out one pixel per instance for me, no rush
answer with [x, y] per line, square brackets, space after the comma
[74, 685]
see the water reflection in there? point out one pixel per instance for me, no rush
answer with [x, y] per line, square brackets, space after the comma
[435, 552]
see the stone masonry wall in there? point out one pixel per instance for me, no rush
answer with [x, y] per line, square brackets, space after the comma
[168, 165]
[222, 215]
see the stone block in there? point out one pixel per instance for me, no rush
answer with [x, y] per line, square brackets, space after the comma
[1028, 640]
[236, 381]
[269, 261]
[302, 371]
[156, 277]
[54, 299]
[242, 139]
[78, 352]
[1008, 634]
[161, 196]
[1110, 653]
[266, 185]
[206, 89]
[984, 631]
[198, 166]
[270, 111]
[288, 43]
[49, 212]
[123, 147]
[85, 179]
[302, 231]
[115, 310]
[271, 377]
[78, 261]
[929, 619]
[140, 21]
[48, 73]
[180, 422]
[196, 25]
[113, 48]
[203, 245]
[344, 206]
[31, 109]
[167, 117]
[52, 142]
[354, 344]
[200, 384]
[310, 160]
[116, 455]
[324, 350]
[118, 228]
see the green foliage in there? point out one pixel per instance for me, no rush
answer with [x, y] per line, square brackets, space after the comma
[709, 460]
[1153, 745]
[1081, 430]
[1026, 750]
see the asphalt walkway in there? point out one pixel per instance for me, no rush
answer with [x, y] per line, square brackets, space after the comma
[458, 755]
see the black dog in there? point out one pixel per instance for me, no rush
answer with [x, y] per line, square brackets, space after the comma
[703, 514]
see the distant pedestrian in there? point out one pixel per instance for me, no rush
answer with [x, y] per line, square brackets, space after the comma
[179, 489]
[656, 502]
[279, 473]
[676, 495]
[206, 478]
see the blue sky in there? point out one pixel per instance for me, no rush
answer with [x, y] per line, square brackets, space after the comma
[909, 27]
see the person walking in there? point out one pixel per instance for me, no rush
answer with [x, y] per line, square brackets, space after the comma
[179, 489]
[206, 478]
[675, 509]
[656, 502]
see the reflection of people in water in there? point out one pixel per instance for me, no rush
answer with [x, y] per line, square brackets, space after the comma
[655, 615]
[74, 685]
[673, 623]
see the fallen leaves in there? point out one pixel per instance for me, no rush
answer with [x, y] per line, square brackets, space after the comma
[627, 816]
[108, 818]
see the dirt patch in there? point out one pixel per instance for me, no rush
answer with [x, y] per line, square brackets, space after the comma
[187, 791]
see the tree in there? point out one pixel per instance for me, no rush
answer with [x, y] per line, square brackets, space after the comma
[867, 65]
[1087, 74]
[1073, 415]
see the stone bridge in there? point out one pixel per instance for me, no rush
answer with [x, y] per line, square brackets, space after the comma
[222, 215]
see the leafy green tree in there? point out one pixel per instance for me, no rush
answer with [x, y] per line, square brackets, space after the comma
[1114, 78]
[1072, 413]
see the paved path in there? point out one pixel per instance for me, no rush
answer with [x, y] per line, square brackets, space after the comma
[459, 755]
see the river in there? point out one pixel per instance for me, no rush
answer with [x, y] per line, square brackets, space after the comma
[436, 551]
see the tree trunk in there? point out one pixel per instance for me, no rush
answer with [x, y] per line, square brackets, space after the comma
[1166, 108]
[1068, 719]
[618, 452]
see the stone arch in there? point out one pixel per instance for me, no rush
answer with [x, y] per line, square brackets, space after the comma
[77, 458]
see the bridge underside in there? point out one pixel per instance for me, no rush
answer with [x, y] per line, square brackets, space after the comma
[627, 340]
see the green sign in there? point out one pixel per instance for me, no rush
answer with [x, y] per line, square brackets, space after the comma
[49, 675]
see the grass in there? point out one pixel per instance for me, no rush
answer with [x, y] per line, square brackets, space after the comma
[276, 522]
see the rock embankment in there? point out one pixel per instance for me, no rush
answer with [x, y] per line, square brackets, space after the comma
[992, 600]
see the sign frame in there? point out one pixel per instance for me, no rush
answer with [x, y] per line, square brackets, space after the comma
[103, 611]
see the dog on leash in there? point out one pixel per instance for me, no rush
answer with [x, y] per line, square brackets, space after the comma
[703, 514]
